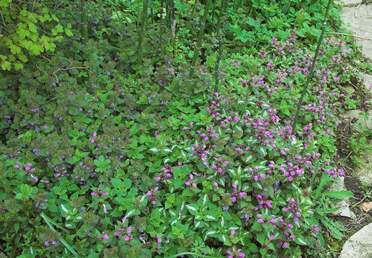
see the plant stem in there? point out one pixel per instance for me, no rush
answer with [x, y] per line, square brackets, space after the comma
[142, 30]
[312, 68]
[199, 37]
[220, 46]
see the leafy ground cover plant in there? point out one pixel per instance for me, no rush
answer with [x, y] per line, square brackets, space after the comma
[100, 157]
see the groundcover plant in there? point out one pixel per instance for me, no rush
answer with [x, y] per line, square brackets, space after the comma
[165, 128]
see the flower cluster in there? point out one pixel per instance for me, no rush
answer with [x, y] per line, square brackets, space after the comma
[263, 202]
[335, 172]
[290, 171]
[151, 195]
[167, 173]
[99, 194]
[219, 165]
[30, 170]
[191, 181]
[235, 253]
[292, 207]
[127, 234]
[236, 195]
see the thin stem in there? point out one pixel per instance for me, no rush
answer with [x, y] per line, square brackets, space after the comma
[220, 46]
[142, 30]
[312, 68]
[50, 224]
[200, 36]
[161, 30]
[349, 35]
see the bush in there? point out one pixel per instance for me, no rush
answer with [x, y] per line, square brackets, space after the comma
[103, 157]
[26, 33]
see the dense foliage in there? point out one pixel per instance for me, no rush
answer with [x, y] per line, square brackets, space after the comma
[164, 129]
[22, 34]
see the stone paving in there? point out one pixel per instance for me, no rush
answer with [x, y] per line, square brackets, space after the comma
[357, 17]
[359, 245]
[358, 20]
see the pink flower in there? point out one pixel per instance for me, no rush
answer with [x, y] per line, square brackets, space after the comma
[127, 238]
[94, 194]
[105, 237]
[271, 237]
[129, 230]
[242, 194]
[104, 194]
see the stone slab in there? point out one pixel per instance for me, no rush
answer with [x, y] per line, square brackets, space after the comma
[364, 171]
[359, 245]
[358, 21]
[368, 80]
[343, 207]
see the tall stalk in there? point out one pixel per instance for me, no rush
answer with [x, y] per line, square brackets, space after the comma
[200, 37]
[172, 17]
[142, 30]
[161, 30]
[220, 46]
[83, 20]
[312, 68]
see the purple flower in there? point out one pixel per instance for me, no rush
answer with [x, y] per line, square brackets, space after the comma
[151, 195]
[118, 233]
[233, 199]
[17, 165]
[28, 167]
[94, 194]
[285, 245]
[246, 217]
[34, 179]
[236, 119]
[315, 229]
[260, 220]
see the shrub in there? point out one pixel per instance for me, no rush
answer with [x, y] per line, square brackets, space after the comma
[27, 33]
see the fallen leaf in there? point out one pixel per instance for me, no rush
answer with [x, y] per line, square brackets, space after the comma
[366, 206]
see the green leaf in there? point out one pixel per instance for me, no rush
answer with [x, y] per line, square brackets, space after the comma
[324, 180]
[334, 228]
[68, 32]
[25, 192]
[121, 184]
[5, 65]
[301, 241]
[339, 194]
